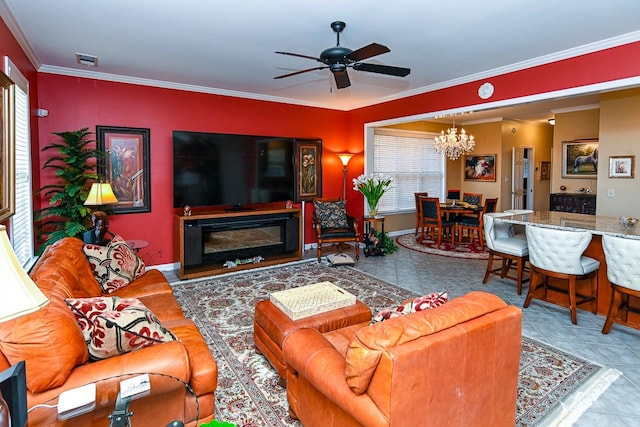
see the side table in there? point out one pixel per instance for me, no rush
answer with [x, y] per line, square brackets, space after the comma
[136, 245]
[371, 247]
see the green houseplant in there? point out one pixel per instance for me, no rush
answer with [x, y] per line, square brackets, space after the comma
[67, 215]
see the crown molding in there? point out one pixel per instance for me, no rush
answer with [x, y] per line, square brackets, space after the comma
[12, 24]
[576, 108]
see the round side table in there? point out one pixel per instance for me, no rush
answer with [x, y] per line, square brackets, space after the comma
[136, 245]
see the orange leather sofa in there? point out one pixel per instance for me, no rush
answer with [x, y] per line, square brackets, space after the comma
[455, 365]
[51, 343]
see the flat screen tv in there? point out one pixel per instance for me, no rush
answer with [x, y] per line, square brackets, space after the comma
[13, 386]
[212, 169]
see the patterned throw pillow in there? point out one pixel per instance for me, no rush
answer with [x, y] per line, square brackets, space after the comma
[331, 214]
[113, 325]
[424, 302]
[114, 265]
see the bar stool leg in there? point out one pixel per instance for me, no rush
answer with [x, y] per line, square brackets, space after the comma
[572, 300]
[613, 310]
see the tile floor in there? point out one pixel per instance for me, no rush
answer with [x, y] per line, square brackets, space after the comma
[619, 405]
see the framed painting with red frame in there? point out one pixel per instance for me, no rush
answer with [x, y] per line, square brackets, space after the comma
[126, 166]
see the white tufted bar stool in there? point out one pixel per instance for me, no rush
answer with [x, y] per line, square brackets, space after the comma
[623, 271]
[558, 253]
[504, 246]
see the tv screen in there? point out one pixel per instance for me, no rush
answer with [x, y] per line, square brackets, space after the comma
[13, 386]
[211, 169]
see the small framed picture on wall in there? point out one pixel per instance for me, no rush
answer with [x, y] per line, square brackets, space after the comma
[621, 166]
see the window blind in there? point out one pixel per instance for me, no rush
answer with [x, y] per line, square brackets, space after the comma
[411, 159]
[22, 222]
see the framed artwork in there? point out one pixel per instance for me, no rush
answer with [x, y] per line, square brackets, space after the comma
[126, 166]
[545, 171]
[580, 159]
[308, 169]
[7, 148]
[621, 166]
[480, 167]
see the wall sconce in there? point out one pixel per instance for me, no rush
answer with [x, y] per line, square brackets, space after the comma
[344, 158]
[552, 122]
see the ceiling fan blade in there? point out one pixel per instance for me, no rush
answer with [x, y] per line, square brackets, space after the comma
[369, 51]
[300, 72]
[342, 79]
[300, 56]
[383, 69]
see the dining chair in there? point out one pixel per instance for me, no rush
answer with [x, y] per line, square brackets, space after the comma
[417, 195]
[503, 246]
[622, 256]
[559, 254]
[472, 198]
[431, 217]
[474, 225]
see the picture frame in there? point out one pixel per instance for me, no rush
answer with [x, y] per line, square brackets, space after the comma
[545, 171]
[308, 163]
[580, 158]
[621, 166]
[480, 167]
[7, 148]
[126, 165]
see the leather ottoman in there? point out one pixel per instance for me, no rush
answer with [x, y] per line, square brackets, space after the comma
[271, 326]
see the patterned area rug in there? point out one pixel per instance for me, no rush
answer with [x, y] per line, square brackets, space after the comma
[249, 393]
[462, 250]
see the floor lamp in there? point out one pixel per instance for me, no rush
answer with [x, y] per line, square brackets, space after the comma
[344, 158]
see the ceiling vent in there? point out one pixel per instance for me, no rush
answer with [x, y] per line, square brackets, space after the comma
[88, 60]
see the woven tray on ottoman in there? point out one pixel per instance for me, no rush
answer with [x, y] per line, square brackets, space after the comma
[306, 301]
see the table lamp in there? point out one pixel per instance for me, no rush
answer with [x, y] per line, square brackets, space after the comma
[453, 195]
[100, 194]
[18, 295]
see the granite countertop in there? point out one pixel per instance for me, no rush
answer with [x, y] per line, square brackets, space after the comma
[570, 221]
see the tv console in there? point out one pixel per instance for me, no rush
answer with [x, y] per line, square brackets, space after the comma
[204, 242]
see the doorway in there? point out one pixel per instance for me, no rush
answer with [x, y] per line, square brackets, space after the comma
[522, 184]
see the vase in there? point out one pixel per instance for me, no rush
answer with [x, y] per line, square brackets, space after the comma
[373, 207]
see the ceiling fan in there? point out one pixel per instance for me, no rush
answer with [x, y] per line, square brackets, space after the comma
[338, 58]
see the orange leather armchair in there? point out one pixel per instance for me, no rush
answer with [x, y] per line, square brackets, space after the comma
[455, 365]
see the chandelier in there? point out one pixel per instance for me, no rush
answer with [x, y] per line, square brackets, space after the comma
[454, 145]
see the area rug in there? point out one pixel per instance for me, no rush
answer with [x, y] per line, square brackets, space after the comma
[249, 393]
[428, 246]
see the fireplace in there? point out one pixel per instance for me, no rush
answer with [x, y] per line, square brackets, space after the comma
[217, 240]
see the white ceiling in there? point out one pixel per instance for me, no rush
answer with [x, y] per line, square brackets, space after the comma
[227, 47]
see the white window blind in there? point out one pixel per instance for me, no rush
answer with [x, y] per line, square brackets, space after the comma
[411, 159]
[22, 221]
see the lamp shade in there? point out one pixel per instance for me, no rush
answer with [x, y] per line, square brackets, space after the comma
[453, 194]
[18, 294]
[344, 158]
[100, 194]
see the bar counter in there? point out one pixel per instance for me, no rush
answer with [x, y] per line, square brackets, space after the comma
[598, 226]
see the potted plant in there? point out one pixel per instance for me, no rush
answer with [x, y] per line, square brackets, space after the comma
[67, 215]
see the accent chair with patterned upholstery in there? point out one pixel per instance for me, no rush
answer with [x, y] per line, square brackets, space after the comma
[332, 225]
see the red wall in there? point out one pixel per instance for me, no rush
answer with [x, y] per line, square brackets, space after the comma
[10, 47]
[75, 103]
